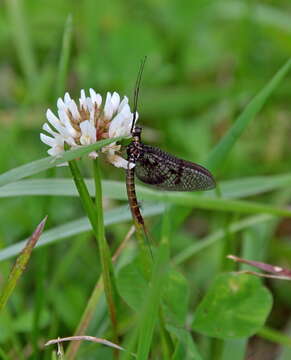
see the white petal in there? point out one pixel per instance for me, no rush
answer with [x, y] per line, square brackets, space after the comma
[67, 98]
[115, 100]
[96, 98]
[121, 124]
[119, 162]
[47, 140]
[48, 129]
[115, 127]
[93, 155]
[82, 99]
[53, 120]
[88, 133]
[54, 151]
[123, 102]
[108, 107]
[74, 110]
[60, 103]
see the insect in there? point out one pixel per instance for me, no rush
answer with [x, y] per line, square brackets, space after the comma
[156, 167]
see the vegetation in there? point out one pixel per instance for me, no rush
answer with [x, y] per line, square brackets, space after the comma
[216, 90]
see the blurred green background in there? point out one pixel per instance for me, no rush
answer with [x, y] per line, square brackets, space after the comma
[206, 60]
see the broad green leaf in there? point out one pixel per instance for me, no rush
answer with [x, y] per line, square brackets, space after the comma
[79, 226]
[132, 285]
[51, 161]
[222, 149]
[235, 306]
[235, 346]
[175, 298]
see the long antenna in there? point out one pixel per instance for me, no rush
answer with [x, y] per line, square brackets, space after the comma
[136, 92]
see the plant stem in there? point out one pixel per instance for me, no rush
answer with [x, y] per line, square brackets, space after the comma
[95, 215]
[105, 258]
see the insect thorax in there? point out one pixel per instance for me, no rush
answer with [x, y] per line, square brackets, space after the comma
[134, 150]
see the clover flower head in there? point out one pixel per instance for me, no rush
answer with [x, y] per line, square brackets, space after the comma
[88, 122]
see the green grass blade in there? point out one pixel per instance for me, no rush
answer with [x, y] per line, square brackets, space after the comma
[22, 40]
[222, 149]
[79, 226]
[188, 252]
[149, 315]
[51, 161]
[20, 265]
[64, 58]
[232, 189]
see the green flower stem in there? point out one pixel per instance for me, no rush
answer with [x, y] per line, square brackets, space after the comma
[105, 258]
[95, 215]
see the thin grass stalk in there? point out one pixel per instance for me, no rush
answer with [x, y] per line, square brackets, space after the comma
[106, 263]
[151, 305]
[92, 304]
[65, 56]
[95, 215]
[22, 41]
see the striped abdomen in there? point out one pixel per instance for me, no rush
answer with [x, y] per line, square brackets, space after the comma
[132, 196]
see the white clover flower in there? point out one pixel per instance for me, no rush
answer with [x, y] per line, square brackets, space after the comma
[87, 123]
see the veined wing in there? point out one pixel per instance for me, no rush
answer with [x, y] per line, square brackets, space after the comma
[165, 171]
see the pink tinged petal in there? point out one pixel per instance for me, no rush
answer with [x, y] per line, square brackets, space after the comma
[108, 108]
[115, 100]
[88, 133]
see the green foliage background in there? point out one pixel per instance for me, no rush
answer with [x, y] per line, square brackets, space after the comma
[206, 60]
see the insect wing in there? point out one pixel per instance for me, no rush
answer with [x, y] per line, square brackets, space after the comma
[165, 171]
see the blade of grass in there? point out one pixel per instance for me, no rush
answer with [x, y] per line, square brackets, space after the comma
[188, 252]
[64, 58]
[149, 315]
[222, 149]
[91, 306]
[20, 265]
[22, 40]
[95, 215]
[237, 188]
[79, 226]
[116, 190]
[105, 258]
[37, 166]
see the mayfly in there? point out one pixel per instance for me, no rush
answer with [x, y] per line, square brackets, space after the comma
[156, 167]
